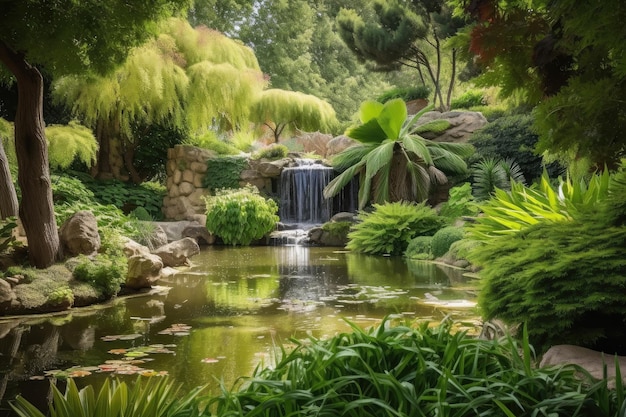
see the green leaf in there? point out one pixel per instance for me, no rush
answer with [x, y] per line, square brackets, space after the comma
[392, 116]
[369, 110]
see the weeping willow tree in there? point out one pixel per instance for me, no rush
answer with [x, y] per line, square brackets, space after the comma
[66, 143]
[186, 78]
[281, 109]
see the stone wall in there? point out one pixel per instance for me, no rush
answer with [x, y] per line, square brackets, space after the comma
[186, 166]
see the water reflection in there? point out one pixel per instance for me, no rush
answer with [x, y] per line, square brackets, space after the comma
[220, 318]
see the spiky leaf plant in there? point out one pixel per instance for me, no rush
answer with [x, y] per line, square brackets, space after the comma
[397, 370]
[392, 160]
[151, 397]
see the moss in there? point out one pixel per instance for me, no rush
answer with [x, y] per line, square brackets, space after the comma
[337, 229]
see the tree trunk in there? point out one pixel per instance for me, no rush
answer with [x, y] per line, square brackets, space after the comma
[36, 209]
[8, 197]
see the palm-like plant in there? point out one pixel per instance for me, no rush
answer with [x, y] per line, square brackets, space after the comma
[393, 161]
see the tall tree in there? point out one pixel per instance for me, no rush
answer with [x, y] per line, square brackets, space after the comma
[186, 78]
[405, 33]
[8, 196]
[567, 58]
[65, 36]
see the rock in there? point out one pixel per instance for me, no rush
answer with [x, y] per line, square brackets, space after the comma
[270, 169]
[132, 248]
[178, 253]
[6, 292]
[143, 271]
[79, 234]
[338, 144]
[344, 216]
[200, 234]
[590, 360]
[174, 230]
[157, 237]
[462, 125]
[313, 142]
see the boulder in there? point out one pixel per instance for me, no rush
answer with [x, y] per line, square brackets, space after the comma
[132, 248]
[200, 234]
[313, 142]
[157, 237]
[344, 216]
[79, 234]
[462, 125]
[590, 360]
[6, 292]
[338, 144]
[174, 230]
[178, 253]
[143, 271]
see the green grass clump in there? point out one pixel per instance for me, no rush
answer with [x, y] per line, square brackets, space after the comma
[402, 371]
[391, 226]
[272, 152]
[444, 238]
[240, 216]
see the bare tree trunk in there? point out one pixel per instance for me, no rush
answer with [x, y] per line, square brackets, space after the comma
[128, 155]
[8, 197]
[36, 209]
[452, 78]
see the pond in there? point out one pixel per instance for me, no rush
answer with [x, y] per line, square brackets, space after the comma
[220, 318]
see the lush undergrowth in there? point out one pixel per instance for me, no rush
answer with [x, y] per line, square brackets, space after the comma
[390, 370]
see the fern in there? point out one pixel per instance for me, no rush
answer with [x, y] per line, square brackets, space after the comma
[390, 227]
[70, 142]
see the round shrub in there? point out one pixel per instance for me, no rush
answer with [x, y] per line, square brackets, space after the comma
[391, 226]
[419, 248]
[444, 238]
[239, 216]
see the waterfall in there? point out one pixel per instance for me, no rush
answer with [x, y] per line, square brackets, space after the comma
[301, 193]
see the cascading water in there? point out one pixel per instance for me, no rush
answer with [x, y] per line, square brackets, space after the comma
[302, 202]
[301, 193]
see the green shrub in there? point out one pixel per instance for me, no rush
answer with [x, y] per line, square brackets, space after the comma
[239, 216]
[141, 213]
[564, 279]
[444, 238]
[104, 272]
[512, 138]
[391, 226]
[67, 189]
[224, 172]
[404, 371]
[419, 248]
[406, 93]
[468, 99]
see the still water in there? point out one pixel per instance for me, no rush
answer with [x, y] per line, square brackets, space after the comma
[220, 318]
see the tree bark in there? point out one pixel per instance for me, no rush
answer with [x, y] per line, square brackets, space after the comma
[8, 197]
[36, 209]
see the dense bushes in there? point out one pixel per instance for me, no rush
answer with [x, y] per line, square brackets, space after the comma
[444, 238]
[239, 216]
[390, 228]
[512, 138]
[406, 94]
[564, 279]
